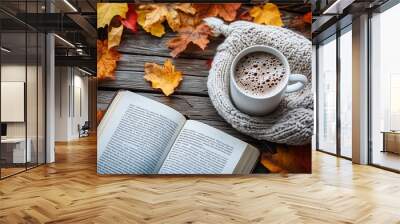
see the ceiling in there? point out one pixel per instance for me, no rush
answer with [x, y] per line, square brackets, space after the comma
[21, 21]
[332, 15]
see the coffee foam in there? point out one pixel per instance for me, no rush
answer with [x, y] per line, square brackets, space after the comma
[260, 74]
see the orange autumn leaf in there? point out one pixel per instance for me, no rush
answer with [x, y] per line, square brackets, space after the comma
[100, 115]
[106, 60]
[198, 35]
[307, 18]
[164, 77]
[227, 11]
[291, 159]
[268, 14]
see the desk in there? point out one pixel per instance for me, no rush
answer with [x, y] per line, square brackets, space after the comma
[16, 147]
[391, 141]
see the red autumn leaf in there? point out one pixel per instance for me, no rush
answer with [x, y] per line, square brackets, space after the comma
[209, 63]
[307, 18]
[131, 19]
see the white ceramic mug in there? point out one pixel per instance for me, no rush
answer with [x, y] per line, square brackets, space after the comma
[262, 105]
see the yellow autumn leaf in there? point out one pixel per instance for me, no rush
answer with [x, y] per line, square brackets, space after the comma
[114, 36]
[152, 16]
[268, 14]
[157, 29]
[107, 11]
[164, 77]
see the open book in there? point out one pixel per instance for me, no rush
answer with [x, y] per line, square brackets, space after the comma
[141, 136]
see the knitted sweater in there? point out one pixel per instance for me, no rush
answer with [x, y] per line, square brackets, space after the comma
[292, 122]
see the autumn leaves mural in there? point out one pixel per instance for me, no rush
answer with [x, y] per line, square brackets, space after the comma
[185, 19]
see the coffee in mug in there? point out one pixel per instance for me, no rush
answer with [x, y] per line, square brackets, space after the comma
[260, 74]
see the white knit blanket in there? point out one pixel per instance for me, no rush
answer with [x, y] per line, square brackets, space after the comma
[292, 122]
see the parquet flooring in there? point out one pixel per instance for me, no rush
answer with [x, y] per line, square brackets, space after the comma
[70, 191]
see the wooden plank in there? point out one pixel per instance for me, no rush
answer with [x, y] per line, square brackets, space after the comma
[143, 43]
[134, 81]
[192, 67]
[192, 107]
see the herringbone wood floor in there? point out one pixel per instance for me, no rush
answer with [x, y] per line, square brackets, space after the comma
[70, 191]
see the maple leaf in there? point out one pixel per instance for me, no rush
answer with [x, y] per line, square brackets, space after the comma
[292, 159]
[100, 115]
[131, 19]
[198, 35]
[227, 11]
[114, 36]
[268, 14]
[107, 11]
[157, 29]
[209, 63]
[151, 15]
[106, 60]
[164, 77]
[307, 18]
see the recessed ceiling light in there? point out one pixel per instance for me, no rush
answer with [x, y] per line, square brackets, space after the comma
[84, 71]
[5, 50]
[64, 40]
[70, 5]
[337, 7]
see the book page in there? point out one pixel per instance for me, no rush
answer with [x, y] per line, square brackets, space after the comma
[136, 135]
[201, 149]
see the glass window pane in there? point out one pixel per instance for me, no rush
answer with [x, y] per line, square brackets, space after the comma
[41, 99]
[31, 97]
[14, 153]
[346, 94]
[327, 97]
[385, 89]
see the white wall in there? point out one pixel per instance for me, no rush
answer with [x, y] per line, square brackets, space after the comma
[33, 127]
[16, 73]
[71, 94]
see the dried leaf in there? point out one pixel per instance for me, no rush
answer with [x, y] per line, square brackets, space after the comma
[307, 18]
[157, 29]
[187, 35]
[106, 60]
[227, 11]
[131, 19]
[245, 16]
[114, 36]
[268, 14]
[107, 11]
[291, 159]
[164, 77]
[100, 115]
[152, 16]
[209, 63]
[298, 24]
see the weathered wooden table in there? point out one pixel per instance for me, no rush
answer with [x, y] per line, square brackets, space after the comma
[190, 98]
